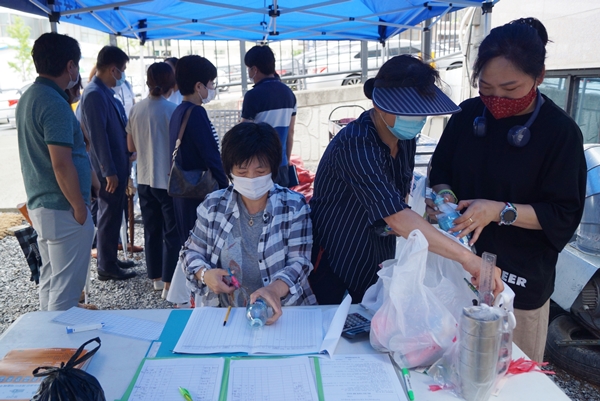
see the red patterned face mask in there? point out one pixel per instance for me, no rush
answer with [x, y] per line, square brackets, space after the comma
[502, 107]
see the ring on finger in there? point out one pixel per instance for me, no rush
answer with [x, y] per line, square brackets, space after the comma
[471, 220]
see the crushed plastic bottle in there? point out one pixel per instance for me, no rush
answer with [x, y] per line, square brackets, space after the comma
[257, 313]
[446, 217]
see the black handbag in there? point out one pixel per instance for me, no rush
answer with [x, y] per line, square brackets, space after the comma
[193, 184]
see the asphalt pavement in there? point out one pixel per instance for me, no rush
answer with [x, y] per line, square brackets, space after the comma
[12, 190]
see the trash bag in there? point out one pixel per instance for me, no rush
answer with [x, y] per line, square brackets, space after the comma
[69, 383]
[412, 323]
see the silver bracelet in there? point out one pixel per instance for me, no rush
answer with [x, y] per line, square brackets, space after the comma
[202, 275]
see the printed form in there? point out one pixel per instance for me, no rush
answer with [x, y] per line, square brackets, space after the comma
[114, 323]
[271, 379]
[298, 331]
[363, 377]
[160, 379]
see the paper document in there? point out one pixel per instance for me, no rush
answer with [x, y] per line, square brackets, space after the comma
[114, 323]
[363, 377]
[160, 379]
[298, 331]
[272, 379]
[18, 391]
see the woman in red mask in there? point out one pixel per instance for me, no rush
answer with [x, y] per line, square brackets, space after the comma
[515, 161]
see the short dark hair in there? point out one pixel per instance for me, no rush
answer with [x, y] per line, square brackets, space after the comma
[52, 51]
[172, 61]
[404, 71]
[111, 55]
[160, 79]
[261, 57]
[191, 70]
[247, 141]
[522, 42]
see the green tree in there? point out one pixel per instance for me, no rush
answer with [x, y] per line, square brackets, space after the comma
[22, 64]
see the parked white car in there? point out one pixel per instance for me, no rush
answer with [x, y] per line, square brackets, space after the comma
[8, 102]
[340, 64]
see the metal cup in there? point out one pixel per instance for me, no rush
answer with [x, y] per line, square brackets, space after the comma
[478, 359]
[472, 324]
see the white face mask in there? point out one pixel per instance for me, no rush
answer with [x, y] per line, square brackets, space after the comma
[210, 96]
[252, 188]
[72, 83]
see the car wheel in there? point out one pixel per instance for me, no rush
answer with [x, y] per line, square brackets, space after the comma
[581, 361]
[555, 311]
[351, 80]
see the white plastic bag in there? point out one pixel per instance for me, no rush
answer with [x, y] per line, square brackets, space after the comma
[416, 199]
[412, 323]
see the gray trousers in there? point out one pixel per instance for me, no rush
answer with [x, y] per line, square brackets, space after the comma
[65, 247]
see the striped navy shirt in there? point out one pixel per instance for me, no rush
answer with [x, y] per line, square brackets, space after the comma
[358, 183]
[271, 102]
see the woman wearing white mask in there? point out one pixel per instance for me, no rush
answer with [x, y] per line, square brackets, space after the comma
[199, 148]
[254, 231]
[363, 179]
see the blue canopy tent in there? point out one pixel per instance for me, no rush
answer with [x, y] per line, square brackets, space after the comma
[251, 20]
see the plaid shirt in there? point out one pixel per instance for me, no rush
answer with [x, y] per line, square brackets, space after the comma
[284, 246]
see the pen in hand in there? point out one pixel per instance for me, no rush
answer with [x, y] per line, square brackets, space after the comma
[185, 394]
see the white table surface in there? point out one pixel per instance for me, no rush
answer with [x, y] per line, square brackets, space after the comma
[117, 360]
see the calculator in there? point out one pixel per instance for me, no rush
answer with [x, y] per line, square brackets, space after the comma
[356, 325]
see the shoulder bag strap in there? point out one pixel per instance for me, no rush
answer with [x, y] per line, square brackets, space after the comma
[186, 117]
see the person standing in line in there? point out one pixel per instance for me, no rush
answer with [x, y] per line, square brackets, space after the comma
[175, 96]
[104, 118]
[270, 101]
[148, 135]
[515, 161]
[56, 172]
[199, 148]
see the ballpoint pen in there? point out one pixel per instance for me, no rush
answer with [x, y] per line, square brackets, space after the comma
[185, 394]
[409, 390]
[234, 280]
[227, 315]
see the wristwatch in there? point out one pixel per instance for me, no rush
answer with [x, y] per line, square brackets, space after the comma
[508, 215]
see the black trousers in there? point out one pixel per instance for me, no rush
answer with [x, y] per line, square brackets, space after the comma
[110, 217]
[161, 240]
[325, 284]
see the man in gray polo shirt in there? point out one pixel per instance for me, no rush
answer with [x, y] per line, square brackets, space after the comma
[56, 171]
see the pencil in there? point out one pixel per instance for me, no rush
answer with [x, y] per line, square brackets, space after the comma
[227, 315]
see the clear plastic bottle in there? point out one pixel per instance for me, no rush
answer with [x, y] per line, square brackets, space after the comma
[257, 313]
[446, 217]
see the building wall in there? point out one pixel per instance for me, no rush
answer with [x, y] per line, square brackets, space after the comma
[572, 27]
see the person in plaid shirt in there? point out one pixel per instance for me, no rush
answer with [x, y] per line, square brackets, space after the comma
[254, 235]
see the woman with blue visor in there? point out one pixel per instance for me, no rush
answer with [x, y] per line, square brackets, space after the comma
[363, 179]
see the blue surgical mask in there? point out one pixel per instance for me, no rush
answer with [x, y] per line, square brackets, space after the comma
[406, 127]
[120, 81]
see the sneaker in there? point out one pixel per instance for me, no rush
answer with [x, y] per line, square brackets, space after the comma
[158, 285]
[164, 294]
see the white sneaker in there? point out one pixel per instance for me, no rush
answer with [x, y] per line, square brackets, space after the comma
[165, 292]
[158, 285]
